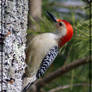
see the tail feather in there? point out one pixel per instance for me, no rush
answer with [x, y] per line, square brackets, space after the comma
[27, 82]
[27, 87]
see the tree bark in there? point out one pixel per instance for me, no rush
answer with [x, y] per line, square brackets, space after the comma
[13, 25]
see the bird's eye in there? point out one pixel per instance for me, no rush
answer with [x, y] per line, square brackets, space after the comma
[60, 24]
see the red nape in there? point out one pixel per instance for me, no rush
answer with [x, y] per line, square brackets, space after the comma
[69, 34]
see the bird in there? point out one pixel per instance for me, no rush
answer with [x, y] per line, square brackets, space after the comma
[44, 48]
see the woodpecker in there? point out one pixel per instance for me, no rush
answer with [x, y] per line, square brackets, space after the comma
[43, 49]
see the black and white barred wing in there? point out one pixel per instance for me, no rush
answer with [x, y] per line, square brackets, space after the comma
[47, 61]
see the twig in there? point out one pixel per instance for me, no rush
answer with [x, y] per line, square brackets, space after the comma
[32, 89]
[68, 86]
[61, 71]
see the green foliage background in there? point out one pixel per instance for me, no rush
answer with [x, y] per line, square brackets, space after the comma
[77, 48]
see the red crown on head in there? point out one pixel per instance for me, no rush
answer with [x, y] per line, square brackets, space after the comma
[69, 33]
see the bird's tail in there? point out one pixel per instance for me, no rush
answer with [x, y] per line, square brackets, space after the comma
[27, 87]
[27, 82]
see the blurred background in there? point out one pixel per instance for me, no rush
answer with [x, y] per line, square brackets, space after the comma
[77, 13]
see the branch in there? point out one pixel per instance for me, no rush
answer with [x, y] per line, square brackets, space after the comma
[68, 86]
[61, 71]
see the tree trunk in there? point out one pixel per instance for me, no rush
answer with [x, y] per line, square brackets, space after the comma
[35, 10]
[13, 25]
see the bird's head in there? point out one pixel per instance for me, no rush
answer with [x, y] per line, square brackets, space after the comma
[64, 29]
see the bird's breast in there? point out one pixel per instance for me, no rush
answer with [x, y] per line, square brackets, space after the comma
[39, 48]
[41, 44]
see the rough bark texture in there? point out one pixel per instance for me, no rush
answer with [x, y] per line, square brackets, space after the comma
[13, 25]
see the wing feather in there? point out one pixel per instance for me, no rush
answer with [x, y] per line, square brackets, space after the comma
[47, 61]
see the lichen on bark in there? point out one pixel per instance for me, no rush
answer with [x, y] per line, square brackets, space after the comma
[13, 25]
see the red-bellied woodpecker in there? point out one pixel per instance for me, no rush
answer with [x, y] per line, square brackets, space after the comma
[43, 49]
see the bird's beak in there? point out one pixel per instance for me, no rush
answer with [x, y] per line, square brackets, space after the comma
[53, 18]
